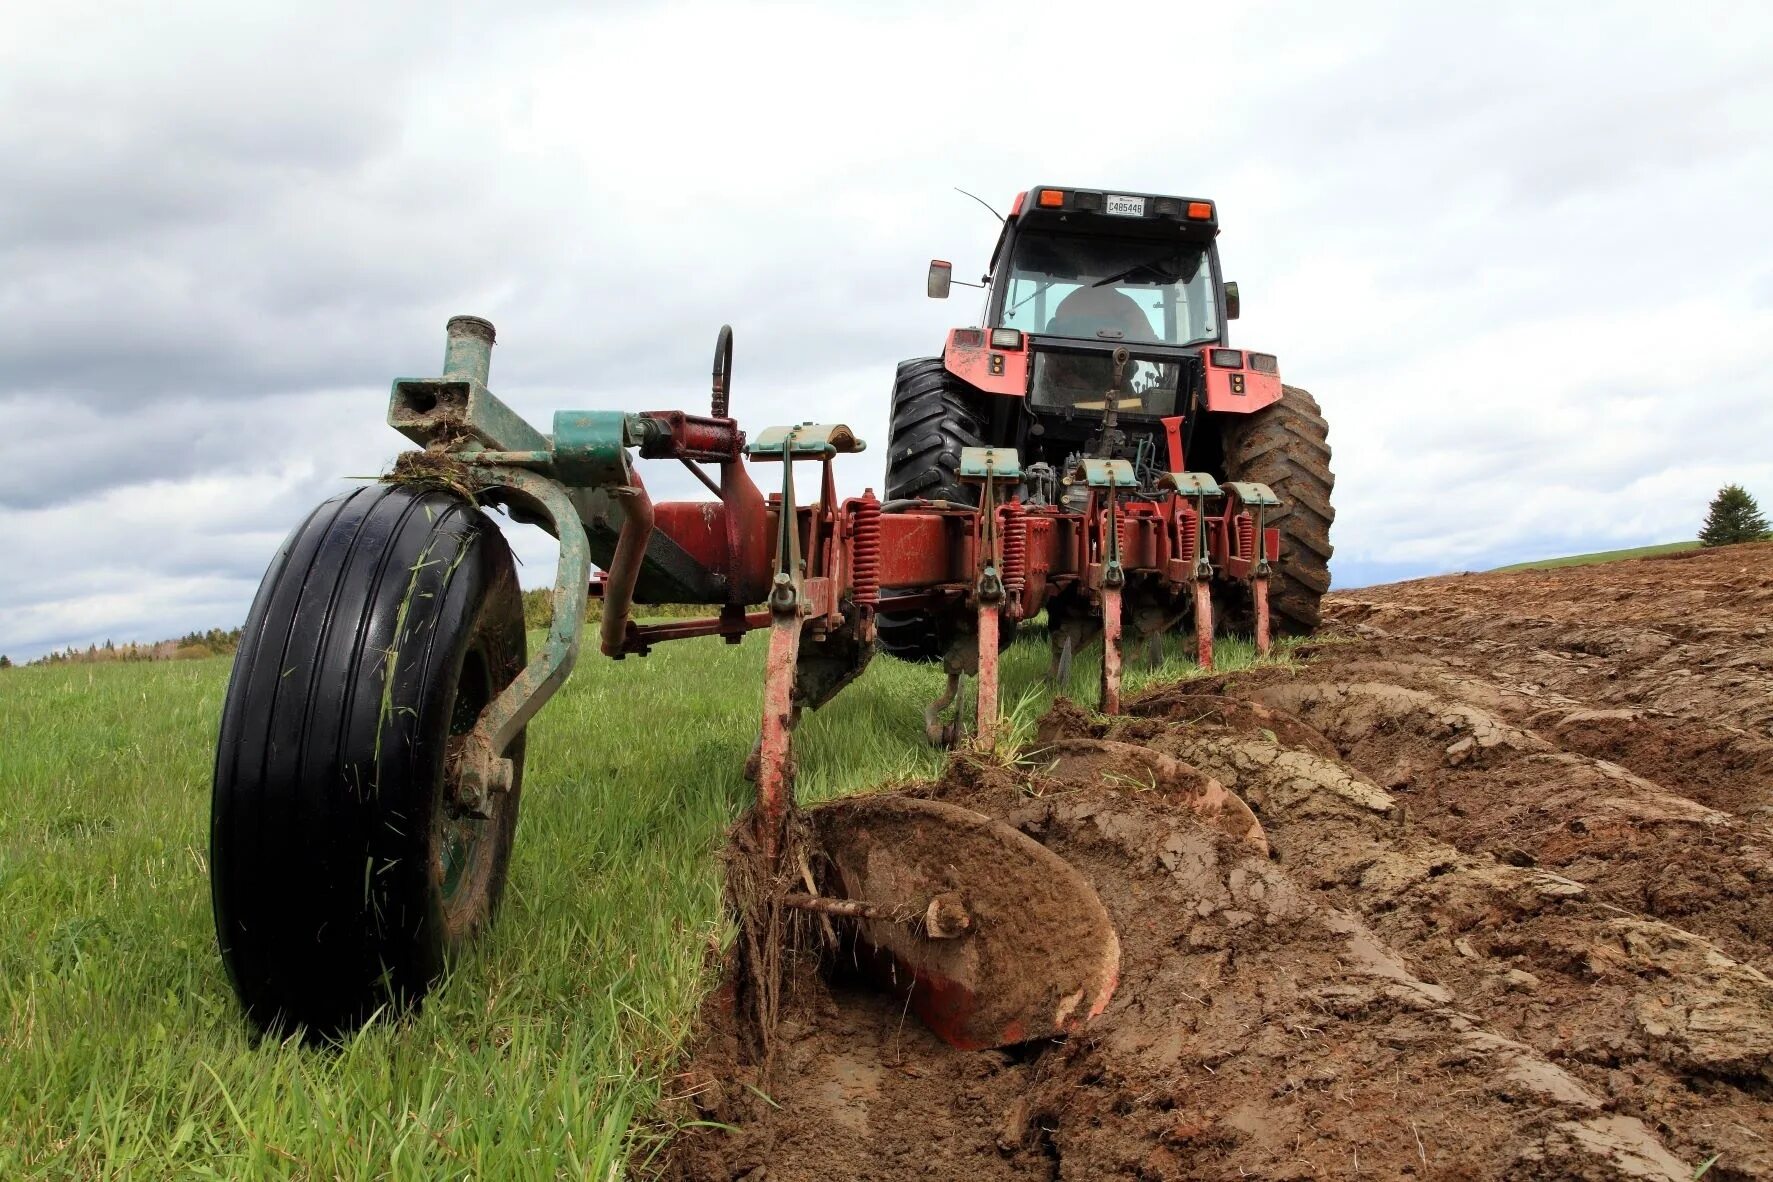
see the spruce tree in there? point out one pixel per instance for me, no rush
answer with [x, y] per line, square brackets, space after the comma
[1733, 517]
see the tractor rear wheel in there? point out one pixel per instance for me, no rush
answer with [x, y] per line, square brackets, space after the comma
[1286, 446]
[931, 422]
[342, 875]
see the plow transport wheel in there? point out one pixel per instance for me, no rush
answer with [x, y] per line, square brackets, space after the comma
[997, 939]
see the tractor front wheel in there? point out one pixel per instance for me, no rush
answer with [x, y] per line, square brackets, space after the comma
[1287, 447]
[343, 876]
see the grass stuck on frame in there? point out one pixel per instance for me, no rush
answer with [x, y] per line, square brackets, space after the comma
[124, 1055]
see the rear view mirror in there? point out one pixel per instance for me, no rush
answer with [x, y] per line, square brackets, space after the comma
[1231, 301]
[941, 275]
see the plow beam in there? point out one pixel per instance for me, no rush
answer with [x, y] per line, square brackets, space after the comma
[994, 470]
[797, 604]
[1196, 487]
[1107, 576]
[1253, 545]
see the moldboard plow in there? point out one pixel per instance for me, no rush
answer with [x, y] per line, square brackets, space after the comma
[946, 896]
[371, 753]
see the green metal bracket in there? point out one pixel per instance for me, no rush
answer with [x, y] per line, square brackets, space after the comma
[1104, 473]
[1190, 484]
[1251, 493]
[591, 447]
[484, 768]
[458, 404]
[806, 441]
[990, 463]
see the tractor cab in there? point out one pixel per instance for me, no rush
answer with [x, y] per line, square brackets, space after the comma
[1066, 267]
[1078, 273]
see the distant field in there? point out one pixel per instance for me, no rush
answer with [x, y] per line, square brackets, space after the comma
[1602, 556]
[122, 1053]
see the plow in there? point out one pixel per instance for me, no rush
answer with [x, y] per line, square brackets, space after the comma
[371, 755]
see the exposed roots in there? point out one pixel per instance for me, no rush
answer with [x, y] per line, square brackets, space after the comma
[771, 937]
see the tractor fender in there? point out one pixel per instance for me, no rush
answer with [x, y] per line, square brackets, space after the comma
[969, 356]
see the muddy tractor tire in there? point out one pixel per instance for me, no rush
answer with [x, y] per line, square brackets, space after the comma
[931, 421]
[1286, 446]
[342, 876]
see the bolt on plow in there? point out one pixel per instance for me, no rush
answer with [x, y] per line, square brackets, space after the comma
[371, 754]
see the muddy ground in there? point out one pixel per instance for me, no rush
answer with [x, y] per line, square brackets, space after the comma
[1516, 921]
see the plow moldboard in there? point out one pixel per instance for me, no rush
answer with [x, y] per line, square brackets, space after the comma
[1041, 956]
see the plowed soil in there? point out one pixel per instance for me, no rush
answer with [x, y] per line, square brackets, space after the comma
[1516, 919]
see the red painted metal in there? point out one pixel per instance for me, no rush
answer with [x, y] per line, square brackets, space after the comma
[1014, 529]
[733, 626]
[926, 548]
[775, 770]
[1223, 393]
[988, 618]
[1110, 703]
[865, 530]
[973, 363]
[624, 571]
[1173, 442]
[684, 436]
[1203, 623]
[1259, 593]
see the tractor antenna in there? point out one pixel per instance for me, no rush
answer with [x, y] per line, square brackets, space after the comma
[981, 201]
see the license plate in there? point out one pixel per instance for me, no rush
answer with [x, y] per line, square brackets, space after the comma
[1132, 207]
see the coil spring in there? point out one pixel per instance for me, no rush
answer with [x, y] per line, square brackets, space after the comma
[865, 549]
[1246, 536]
[1190, 535]
[1015, 548]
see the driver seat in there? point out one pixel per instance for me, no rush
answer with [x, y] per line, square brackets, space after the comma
[1100, 313]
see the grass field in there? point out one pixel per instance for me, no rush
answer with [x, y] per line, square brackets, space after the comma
[122, 1054]
[1602, 556]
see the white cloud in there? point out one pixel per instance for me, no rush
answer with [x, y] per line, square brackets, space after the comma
[1517, 250]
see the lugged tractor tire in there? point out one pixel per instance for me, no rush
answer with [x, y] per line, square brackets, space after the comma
[342, 878]
[1287, 447]
[931, 421]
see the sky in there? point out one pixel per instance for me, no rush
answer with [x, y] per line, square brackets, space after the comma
[1519, 252]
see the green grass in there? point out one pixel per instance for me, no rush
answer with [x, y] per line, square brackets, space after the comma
[1602, 556]
[122, 1054]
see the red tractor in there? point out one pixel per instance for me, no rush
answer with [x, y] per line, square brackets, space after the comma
[1104, 335]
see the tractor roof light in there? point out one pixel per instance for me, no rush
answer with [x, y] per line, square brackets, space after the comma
[1051, 198]
[1006, 338]
[1201, 210]
[1228, 358]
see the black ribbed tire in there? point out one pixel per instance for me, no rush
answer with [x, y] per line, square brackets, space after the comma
[1287, 447]
[341, 877]
[932, 419]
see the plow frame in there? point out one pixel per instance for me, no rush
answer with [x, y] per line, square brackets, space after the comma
[818, 568]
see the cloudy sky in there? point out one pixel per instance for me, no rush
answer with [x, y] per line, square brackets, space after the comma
[1524, 259]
